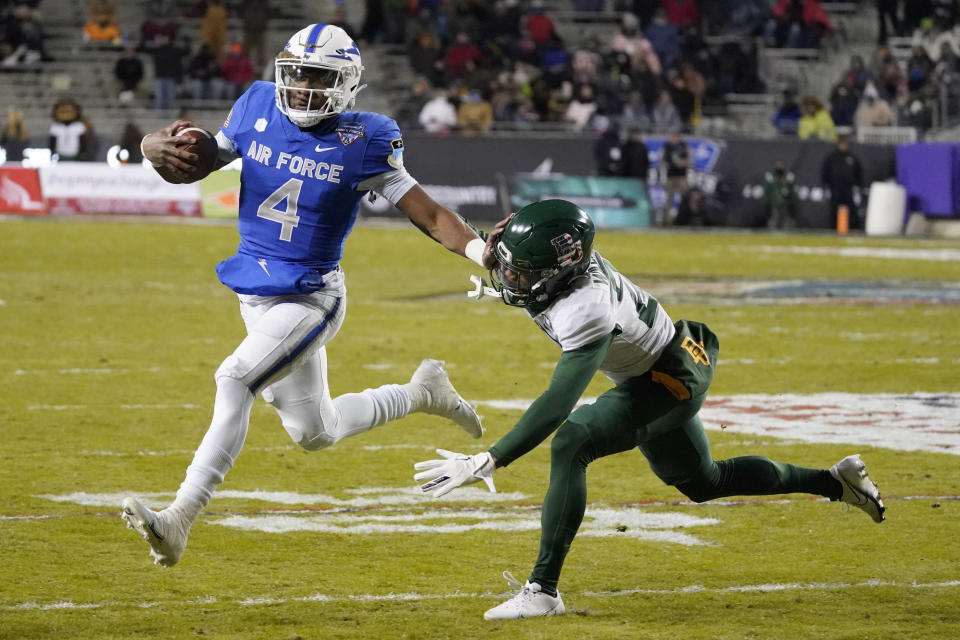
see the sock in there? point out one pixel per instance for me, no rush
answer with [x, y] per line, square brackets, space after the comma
[418, 394]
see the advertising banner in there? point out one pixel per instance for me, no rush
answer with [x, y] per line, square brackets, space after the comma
[610, 202]
[89, 187]
[20, 191]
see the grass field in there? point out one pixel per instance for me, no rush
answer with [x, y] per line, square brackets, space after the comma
[110, 333]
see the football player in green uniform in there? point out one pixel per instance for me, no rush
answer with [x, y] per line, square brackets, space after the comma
[543, 261]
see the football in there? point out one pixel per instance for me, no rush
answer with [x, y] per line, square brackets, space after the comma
[206, 149]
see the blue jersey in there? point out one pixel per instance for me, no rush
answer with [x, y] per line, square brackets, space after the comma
[300, 190]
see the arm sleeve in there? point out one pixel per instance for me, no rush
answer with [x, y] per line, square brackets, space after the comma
[392, 185]
[570, 378]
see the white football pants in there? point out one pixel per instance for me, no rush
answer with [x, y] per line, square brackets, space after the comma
[284, 358]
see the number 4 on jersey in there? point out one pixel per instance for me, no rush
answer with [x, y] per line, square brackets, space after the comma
[288, 218]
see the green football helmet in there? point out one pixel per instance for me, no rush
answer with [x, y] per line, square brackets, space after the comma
[542, 249]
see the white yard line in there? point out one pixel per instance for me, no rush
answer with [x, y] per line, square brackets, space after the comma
[253, 601]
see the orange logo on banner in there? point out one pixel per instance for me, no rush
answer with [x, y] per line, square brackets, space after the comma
[20, 191]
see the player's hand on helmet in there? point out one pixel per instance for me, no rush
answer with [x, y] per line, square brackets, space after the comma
[489, 257]
[455, 469]
[166, 152]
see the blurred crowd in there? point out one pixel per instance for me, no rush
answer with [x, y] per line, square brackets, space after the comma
[478, 64]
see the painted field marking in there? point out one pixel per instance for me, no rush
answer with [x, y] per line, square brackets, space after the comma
[598, 523]
[885, 253]
[69, 605]
[904, 422]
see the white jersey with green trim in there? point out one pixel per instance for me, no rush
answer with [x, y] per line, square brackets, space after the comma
[601, 302]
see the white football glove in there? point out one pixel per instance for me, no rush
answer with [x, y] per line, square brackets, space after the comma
[454, 470]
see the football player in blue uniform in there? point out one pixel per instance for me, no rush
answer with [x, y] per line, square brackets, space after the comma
[661, 370]
[306, 162]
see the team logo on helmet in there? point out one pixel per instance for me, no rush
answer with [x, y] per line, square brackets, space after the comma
[568, 250]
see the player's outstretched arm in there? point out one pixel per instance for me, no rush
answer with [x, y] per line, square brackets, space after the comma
[167, 152]
[441, 224]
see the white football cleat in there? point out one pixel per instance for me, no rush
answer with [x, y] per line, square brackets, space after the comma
[858, 489]
[529, 602]
[443, 399]
[165, 531]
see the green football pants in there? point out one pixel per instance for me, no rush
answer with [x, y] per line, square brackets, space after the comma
[649, 415]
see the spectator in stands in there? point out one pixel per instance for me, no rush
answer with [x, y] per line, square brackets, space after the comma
[797, 24]
[24, 36]
[933, 40]
[587, 61]
[842, 173]
[101, 27]
[15, 137]
[213, 28]
[786, 119]
[475, 114]
[438, 115]
[68, 132]
[538, 24]
[665, 118]
[816, 122]
[844, 99]
[636, 156]
[426, 59]
[888, 11]
[96, 8]
[634, 114]
[888, 76]
[128, 70]
[675, 160]
[681, 13]
[608, 152]
[237, 71]
[630, 41]
[460, 54]
[919, 69]
[873, 111]
[167, 72]
[255, 15]
[743, 18]
[582, 107]
[203, 71]
[408, 110]
[858, 73]
[161, 20]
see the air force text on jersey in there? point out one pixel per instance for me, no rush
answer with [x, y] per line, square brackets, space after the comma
[296, 165]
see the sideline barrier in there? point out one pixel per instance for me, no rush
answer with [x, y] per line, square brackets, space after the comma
[97, 188]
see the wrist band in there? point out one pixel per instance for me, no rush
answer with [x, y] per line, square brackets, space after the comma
[474, 250]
